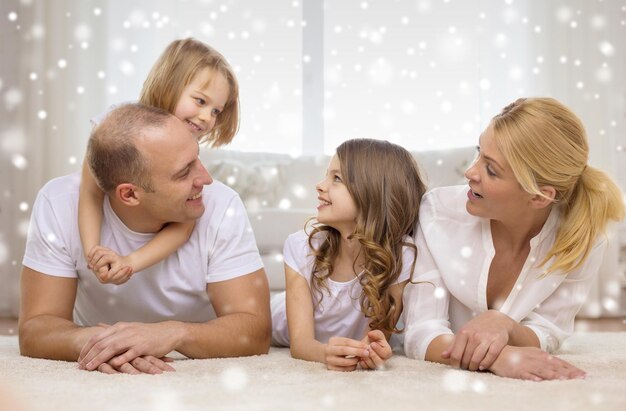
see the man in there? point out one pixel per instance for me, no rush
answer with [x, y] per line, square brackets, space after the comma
[208, 299]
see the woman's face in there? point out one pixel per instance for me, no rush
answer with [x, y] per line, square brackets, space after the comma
[494, 191]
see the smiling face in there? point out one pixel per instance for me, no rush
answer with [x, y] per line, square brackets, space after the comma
[202, 101]
[336, 206]
[176, 174]
[494, 191]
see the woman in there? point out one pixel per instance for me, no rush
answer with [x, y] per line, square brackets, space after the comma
[513, 256]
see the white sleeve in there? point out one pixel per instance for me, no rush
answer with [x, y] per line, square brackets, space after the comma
[47, 250]
[553, 320]
[408, 256]
[295, 253]
[425, 302]
[235, 252]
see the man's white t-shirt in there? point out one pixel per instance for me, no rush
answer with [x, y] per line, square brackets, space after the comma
[339, 313]
[221, 247]
[455, 251]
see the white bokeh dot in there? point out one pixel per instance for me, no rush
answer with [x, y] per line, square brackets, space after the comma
[19, 161]
[439, 292]
[4, 252]
[606, 48]
[234, 379]
[466, 252]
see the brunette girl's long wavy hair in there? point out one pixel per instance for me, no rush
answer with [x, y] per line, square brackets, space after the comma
[385, 183]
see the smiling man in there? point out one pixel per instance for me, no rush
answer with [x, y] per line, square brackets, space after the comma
[210, 298]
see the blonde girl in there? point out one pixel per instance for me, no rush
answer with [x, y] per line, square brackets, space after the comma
[345, 276]
[196, 84]
[514, 254]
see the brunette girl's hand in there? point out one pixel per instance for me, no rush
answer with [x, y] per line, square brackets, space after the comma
[343, 354]
[109, 266]
[380, 351]
[477, 345]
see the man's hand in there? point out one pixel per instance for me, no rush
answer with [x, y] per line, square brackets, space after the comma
[343, 354]
[379, 352]
[531, 363]
[108, 266]
[141, 365]
[477, 345]
[124, 342]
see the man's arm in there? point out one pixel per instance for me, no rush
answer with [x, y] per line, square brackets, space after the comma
[46, 329]
[242, 327]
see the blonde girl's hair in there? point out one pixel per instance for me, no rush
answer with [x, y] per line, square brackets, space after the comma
[176, 68]
[385, 184]
[546, 145]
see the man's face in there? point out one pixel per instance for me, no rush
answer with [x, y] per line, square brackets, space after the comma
[176, 174]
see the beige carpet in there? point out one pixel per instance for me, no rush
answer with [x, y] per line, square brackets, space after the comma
[278, 382]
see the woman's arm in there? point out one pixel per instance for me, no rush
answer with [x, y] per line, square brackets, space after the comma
[553, 319]
[426, 302]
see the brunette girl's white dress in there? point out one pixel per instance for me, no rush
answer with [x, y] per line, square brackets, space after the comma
[339, 313]
[455, 250]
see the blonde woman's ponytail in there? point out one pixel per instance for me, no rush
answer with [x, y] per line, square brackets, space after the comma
[595, 200]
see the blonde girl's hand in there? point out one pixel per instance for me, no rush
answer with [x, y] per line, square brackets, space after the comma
[108, 266]
[343, 354]
[477, 345]
[379, 352]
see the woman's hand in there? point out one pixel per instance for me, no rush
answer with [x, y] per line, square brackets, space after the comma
[531, 363]
[477, 345]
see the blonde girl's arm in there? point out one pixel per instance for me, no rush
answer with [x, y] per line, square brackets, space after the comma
[168, 240]
[300, 321]
[89, 211]
[111, 266]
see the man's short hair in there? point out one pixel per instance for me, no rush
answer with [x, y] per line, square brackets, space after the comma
[112, 153]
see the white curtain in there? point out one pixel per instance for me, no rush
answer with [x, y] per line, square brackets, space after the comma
[43, 119]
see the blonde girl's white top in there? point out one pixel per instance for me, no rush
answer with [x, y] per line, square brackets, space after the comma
[339, 313]
[455, 250]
